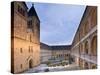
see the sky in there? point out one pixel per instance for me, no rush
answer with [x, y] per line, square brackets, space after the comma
[58, 22]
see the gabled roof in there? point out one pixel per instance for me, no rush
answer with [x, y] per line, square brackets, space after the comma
[32, 12]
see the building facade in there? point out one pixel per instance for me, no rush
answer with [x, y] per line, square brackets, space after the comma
[61, 52]
[54, 53]
[46, 53]
[84, 46]
[25, 35]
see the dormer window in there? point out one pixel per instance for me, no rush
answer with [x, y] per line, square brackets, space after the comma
[21, 11]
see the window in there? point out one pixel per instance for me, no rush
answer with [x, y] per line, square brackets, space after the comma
[21, 66]
[29, 49]
[86, 65]
[21, 11]
[21, 51]
[30, 24]
[18, 8]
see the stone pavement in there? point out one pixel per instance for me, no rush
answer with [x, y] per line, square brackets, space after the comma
[42, 67]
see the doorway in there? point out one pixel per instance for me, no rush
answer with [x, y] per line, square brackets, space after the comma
[30, 63]
[86, 65]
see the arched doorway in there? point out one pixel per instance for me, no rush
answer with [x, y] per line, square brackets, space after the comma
[30, 63]
[94, 46]
[94, 66]
[86, 47]
[86, 65]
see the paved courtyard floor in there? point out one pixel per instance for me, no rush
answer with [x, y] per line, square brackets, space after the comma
[43, 67]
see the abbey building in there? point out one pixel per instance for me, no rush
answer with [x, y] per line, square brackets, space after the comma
[25, 37]
[27, 51]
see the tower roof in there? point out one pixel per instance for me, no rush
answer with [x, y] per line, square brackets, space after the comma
[32, 12]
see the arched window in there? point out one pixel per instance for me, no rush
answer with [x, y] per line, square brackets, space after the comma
[94, 66]
[94, 46]
[86, 47]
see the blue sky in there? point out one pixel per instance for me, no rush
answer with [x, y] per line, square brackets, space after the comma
[59, 22]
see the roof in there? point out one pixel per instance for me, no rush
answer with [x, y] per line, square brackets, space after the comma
[61, 47]
[32, 12]
[58, 47]
[85, 14]
[22, 2]
[44, 46]
[25, 5]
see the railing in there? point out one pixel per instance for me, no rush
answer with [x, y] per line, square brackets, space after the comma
[87, 57]
[90, 58]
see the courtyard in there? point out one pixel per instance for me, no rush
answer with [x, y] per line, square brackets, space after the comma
[44, 67]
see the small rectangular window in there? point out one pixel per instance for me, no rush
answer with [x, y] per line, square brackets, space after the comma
[21, 51]
[30, 24]
[21, 66]
[29, 49]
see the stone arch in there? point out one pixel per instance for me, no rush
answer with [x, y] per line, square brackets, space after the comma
[86, 65]
[30, 63]
[94, 45]
[94, 66]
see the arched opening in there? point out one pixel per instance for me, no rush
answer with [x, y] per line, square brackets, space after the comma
[86, 47]
[94, 66]
[81, 63]
[94, 46]
[30, 63]
[86, 65]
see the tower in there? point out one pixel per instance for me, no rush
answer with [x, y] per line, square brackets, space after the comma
[34, 25]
